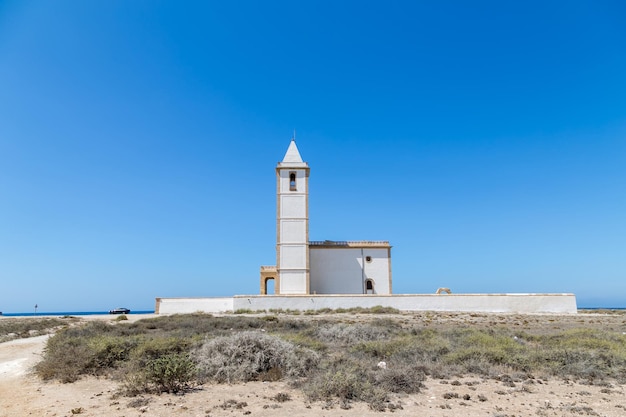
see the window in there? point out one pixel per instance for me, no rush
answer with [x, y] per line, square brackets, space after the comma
[368, 259]
[369, 286]
[292, 181]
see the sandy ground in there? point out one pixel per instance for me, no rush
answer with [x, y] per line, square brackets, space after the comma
[23, 394]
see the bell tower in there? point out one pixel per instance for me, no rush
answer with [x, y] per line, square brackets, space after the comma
[292, 223]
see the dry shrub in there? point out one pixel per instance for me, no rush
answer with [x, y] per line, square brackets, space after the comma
[345, 380]
[350, 334]
[13, 328]
[64, 360]
[342, 381]
[68, 354]
[251, 356]
[153, 348]
[138, 402]
[384, 349]
[401, 377]
[232, 404]
[355, 379]
[282, 397]
[303, 339]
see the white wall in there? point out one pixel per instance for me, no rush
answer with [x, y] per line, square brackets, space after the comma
[193, 305]
[292, 206]
[485, 303]
[293, 231]
[340, 270]
[293, 256]
[479, 303]
[293, 282]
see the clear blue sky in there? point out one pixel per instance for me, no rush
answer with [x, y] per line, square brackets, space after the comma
[138, 140]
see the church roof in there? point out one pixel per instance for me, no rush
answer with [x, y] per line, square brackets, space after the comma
[292, 157]
[349, 244]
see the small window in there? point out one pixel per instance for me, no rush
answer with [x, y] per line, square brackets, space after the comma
[292, 181]
[368, 259]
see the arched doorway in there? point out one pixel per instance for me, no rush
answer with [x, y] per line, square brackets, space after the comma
[269, 286]
[369, 286]
[269, 280]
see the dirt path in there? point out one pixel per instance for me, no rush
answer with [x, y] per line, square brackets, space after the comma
[17, 385]
[18, 356]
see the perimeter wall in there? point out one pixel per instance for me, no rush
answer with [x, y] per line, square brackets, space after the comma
[483, 303]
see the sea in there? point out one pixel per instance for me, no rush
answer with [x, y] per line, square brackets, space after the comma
[70, 313]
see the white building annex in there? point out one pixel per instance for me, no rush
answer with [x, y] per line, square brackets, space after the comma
[311, 275]
[319, 267]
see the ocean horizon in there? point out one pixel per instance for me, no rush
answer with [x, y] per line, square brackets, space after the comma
[70, 313]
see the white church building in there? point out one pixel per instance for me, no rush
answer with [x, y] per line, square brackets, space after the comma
[318, 267]
[311, 275]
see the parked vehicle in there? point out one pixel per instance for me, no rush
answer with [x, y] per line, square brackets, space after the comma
[119, 310]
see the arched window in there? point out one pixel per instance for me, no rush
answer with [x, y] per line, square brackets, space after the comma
[292, 181]
[369, 286]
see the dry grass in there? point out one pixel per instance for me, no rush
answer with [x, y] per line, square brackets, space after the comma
[334, 358]
[23, 327]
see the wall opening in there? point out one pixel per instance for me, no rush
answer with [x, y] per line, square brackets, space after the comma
[292, 181]
[369, 286]
[269, 286]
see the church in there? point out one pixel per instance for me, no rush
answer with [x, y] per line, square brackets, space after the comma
[316, 275]
[318, 267]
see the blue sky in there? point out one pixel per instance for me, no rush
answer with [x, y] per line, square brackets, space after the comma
[485, 140]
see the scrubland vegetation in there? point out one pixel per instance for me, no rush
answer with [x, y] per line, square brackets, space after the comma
[333, 358]
[17, 328]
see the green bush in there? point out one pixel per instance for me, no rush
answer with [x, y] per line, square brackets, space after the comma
[171, 373]
[108, 351]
